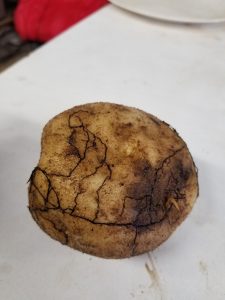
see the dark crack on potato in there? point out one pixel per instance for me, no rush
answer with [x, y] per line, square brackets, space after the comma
[112, 181]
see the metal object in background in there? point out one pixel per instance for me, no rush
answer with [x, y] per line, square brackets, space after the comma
[12, 47]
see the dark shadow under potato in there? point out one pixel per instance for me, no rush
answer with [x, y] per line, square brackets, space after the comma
[112, 181]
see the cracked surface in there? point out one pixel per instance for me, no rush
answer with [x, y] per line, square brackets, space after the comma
[112, 181]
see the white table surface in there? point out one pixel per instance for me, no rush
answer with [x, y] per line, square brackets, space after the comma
[175, 72]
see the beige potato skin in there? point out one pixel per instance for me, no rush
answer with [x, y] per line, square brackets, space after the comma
[112, 181]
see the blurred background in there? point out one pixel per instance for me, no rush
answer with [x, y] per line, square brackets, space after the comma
[12, 47]
[26, 24]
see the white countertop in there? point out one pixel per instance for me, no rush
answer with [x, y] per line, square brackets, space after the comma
[175, 72]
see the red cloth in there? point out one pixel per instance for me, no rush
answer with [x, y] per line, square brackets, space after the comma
[41, 20]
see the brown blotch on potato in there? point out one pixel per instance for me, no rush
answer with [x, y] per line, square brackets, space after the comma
[112, 181]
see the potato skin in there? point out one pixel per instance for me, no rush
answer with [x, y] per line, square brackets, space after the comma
[112, 181]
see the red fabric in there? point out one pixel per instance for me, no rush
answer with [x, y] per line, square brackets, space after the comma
[41, 20]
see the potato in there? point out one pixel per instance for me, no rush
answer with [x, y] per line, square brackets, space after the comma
[112, 181]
